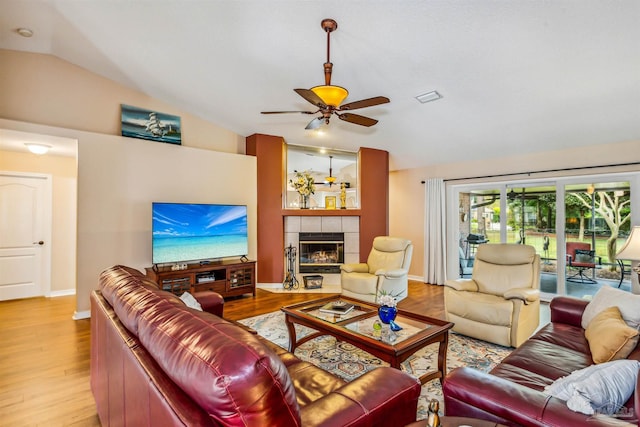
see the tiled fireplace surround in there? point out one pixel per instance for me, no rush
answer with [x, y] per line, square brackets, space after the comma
[349, 225]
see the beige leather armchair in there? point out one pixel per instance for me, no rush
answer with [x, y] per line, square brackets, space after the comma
[387, 268]
[501, 301]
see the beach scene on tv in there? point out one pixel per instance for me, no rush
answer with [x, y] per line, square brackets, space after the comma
[191, 232]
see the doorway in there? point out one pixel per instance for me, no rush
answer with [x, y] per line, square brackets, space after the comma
[25, 235]
[60, 166]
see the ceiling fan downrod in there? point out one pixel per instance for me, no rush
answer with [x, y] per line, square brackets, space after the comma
[329, 26]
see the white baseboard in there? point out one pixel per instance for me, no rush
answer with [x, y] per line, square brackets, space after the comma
[62, 293]
[416, 278]
[79, 315]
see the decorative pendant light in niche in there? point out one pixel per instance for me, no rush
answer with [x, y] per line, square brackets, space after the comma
[330, 179]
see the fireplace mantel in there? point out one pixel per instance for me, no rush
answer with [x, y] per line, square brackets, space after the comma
[321, 212]
[373, 212]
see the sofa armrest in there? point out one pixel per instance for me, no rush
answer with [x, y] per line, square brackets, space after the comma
[211, 302]
[567, 310]
[355, 268]
[384, 396]
[525, 294]
[396, 273]
[471, 393]
[468, 285]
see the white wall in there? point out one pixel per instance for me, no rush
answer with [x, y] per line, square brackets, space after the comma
[119, 177]
[407, 198]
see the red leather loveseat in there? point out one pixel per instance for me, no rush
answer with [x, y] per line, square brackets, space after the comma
[512, 393]
[156, 362]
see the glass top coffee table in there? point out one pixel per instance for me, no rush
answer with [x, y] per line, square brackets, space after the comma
[357, 328]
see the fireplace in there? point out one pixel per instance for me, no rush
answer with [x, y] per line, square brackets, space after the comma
[321, 252]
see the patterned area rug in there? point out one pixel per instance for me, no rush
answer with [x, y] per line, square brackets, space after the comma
[349, 362]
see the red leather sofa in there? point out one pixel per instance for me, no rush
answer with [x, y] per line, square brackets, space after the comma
[156, 362]
[512, 393]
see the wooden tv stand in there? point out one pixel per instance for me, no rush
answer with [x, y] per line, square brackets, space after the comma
[228, 278]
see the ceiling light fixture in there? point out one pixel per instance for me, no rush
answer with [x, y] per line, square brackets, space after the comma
[38, 149]
[428, 97]
[330, 179]
[330, 94]
[328, 98]
[24, 32]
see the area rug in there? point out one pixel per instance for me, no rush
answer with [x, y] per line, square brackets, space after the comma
[349, 362]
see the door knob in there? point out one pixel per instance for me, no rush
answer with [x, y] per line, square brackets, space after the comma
[41, 242]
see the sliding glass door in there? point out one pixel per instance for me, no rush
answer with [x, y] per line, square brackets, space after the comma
[556, 217]
[598, 217]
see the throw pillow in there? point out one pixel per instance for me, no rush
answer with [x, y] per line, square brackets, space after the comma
[609, 337]
[585, 256]
[628, 303]
[597, 389]
[190, 301]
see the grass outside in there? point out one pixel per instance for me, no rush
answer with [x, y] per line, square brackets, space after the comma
[536, 240]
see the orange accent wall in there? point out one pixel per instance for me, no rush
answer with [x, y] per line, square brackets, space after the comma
[270, 173]
[271, 169]
[374, 197]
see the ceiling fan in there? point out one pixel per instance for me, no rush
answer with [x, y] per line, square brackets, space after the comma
[328, 98]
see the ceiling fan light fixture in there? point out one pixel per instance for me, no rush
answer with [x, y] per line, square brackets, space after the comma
[331, 95]
[330, 179]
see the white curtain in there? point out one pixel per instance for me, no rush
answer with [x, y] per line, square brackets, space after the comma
[435, 243]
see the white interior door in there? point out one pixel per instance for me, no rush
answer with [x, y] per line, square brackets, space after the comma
[25, 230]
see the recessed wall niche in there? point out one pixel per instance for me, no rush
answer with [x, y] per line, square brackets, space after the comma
[329, 169]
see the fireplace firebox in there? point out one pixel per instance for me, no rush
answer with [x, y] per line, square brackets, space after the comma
[321, 252]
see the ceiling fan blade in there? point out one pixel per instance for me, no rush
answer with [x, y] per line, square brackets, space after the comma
[315, 123]
[370, 102]
[311, 97]
[357, 119]
[287, 112]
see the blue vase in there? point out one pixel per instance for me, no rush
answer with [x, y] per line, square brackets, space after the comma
[387, 314]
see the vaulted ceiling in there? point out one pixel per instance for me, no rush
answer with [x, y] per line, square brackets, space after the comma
[515, 76]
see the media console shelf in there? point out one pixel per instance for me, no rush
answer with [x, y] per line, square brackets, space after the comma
[228, 278]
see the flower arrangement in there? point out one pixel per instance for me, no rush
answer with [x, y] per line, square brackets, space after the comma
[388, 298]
[303, 183]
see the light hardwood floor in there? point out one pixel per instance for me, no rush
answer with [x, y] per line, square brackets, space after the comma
[44, 353]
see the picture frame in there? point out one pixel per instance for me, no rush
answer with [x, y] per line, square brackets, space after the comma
[151, 125]
[330, 202]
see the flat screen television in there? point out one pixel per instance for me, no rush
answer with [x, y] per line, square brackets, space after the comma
[196, 232]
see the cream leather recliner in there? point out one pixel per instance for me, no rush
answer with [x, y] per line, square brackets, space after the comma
[387, 268]
[501, 301]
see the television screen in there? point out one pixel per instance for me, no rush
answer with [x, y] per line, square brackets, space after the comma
[189, 232]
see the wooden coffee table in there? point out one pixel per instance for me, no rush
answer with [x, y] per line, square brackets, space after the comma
[356, 328]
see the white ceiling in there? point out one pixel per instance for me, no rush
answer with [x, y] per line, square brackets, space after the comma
[516, 76]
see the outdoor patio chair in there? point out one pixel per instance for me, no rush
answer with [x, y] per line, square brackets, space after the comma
[466, 265]
[581, 258]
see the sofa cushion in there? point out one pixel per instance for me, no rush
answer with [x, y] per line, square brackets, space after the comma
[609, 337]
[484, 308]
[585, 256]
[234, 376]
[598, 389]
[629, 305]
[544, 359]
[130, 294]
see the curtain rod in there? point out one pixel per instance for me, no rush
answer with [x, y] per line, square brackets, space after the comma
[541, 171]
